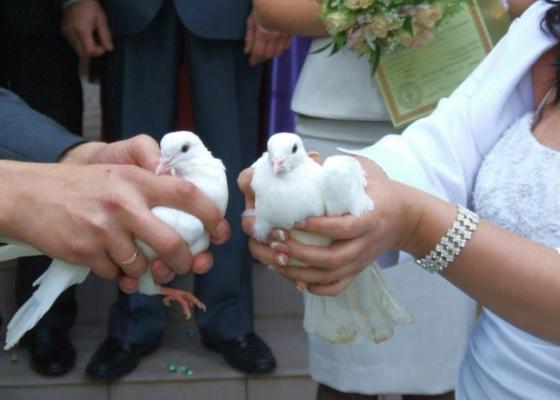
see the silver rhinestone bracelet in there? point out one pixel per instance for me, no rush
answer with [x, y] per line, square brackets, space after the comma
[452, 243]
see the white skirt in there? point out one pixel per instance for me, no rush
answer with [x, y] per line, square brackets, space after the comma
[422, 358]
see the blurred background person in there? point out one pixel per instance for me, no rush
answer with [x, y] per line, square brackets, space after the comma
[144, 44]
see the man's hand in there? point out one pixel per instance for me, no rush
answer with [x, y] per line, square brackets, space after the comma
[262, 44]
[84, 25]
[91, 214]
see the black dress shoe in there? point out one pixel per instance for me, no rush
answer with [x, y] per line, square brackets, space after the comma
[51, 352]
[248, 354]
[114, 359]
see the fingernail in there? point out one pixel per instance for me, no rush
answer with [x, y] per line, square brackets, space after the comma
[206, 268]
[299, 225]
[282, 260]
[281, 235]
[222, 232]
[250, 212]
[280, 247]
[271, 267]
[301, 287]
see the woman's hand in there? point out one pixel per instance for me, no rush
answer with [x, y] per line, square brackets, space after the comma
[357, 241]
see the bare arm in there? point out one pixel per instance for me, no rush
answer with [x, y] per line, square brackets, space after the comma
[298, 17]
[515, 277]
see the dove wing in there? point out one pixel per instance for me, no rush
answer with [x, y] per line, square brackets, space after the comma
[14, 249]
[344, 181]
[55, 280]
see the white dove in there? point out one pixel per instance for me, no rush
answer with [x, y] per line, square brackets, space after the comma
[290, 187]
[184, 154]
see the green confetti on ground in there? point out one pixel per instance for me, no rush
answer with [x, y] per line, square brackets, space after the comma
[172, 368]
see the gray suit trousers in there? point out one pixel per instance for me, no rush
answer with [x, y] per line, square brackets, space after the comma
[141, 91]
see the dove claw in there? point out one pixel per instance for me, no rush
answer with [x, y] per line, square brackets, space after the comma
[186, 299]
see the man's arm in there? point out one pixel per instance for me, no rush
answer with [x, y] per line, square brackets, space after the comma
[88, 214]
[27, 135]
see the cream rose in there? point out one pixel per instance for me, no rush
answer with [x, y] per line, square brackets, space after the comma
[427, 16]
[358, 4]
[338, 21]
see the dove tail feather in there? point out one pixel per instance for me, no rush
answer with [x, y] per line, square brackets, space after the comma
[40, 279]
[397, 312]
[25, 319]
[365, 311]
[13, 251]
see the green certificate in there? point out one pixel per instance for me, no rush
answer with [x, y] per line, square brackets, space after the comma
[413, 80]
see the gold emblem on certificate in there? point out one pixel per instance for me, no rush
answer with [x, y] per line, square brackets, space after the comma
[412, 81]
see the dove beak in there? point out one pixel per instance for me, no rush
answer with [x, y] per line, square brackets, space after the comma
[164, 166]
[278, 165]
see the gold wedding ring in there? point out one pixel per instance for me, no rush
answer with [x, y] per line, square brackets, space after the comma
[131, 259]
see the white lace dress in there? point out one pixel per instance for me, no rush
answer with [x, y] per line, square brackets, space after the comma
[518, 188]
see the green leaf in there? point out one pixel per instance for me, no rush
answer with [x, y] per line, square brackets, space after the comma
[322, 48]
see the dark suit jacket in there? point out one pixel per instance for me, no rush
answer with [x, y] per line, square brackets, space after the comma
[209, 19]
[26, 135]
[33, 16]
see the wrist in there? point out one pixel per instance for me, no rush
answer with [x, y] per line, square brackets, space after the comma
[14, 198]
[83, 153]
[411, 215]
[427, 220]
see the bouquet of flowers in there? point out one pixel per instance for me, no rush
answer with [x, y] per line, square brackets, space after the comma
[374, 27]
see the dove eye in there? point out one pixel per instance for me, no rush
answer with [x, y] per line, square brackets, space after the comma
[294, 149]
[185, 148]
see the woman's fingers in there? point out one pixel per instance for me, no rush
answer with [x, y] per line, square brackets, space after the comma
[333, 289]
[314, 275]
[262, 252]
[338, 253]
[337, 228]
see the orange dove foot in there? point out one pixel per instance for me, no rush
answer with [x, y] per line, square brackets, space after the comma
[186, 299]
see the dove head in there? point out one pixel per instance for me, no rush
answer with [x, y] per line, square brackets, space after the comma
[179, 150]
[285, 152]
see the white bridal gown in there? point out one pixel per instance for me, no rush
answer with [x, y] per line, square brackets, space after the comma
[517, 188]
